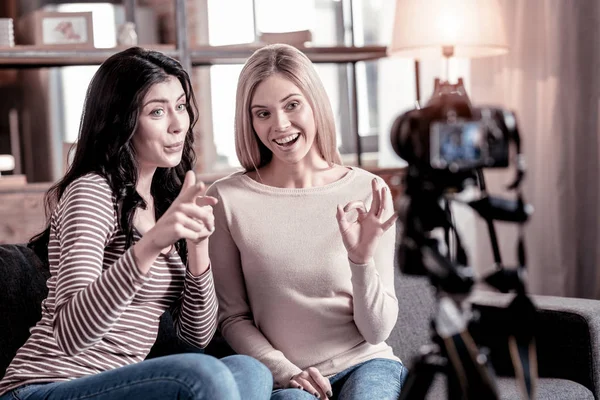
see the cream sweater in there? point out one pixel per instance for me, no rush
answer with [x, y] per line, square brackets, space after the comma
[288, 294]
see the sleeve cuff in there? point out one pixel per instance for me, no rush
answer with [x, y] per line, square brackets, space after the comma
[362, 273]
[202, 278]
[286, 373]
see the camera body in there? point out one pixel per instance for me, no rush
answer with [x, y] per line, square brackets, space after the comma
[451, 137]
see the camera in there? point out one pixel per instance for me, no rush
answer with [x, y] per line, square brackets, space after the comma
[449, 138]
[447, 145]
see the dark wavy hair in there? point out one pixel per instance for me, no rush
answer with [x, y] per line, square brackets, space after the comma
[108, 122]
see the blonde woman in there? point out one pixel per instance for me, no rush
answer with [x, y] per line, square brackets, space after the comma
[302, 245]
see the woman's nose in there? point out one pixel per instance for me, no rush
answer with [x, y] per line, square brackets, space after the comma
[177, 122]
[281, 122]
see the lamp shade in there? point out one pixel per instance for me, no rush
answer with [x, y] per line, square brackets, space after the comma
[7, 162]
[432, 28]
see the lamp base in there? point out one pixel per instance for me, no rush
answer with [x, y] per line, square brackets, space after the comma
[441, 88]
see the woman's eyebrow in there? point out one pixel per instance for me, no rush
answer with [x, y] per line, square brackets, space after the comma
[281, 101]
[162, 100]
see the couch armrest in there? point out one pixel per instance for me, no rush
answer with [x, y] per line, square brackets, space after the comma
[567, 336]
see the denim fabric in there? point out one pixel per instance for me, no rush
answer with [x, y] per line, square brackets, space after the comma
[182, 376]
[380, 379]
[287, 394]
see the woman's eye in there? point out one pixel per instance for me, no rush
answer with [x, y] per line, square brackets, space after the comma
[157, 113]
[181, 107]
[293, 105]
[262, 114]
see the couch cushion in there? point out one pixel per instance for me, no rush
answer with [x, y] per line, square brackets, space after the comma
[416, 302]
[22, 290]
[548, 389]
[562, 342]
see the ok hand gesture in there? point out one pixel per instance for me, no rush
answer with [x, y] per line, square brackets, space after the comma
[360, 237]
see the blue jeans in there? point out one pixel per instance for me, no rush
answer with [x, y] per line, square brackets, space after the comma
[380, 379]
[181, 376]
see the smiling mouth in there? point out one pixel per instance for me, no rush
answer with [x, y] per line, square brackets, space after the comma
[288, 140]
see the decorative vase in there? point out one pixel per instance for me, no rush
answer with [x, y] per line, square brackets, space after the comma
[127, 35]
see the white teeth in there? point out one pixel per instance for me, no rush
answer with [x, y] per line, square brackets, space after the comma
[287, 139]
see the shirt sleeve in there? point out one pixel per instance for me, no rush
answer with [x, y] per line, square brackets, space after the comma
[235, 316]
[88, 300]
[374, 295]
[196, 316]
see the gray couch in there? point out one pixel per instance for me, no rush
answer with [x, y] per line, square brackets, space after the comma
[567, 342]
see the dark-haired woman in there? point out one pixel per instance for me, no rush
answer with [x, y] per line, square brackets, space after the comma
[127, 238]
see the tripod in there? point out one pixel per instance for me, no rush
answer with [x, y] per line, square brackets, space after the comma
[453, 351]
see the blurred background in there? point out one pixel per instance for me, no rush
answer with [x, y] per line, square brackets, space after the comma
[546, 70]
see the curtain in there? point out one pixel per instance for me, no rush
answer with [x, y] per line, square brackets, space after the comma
[551, 79]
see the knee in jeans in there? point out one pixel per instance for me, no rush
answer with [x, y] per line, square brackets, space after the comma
[251, 364]
[201, 368]
[249, 372]
[386, 375]
[292, 394]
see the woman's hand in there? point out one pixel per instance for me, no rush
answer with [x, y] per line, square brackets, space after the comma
[189, 217]
[313, 382]
[360, 237]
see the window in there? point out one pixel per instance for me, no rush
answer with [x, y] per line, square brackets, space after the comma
[72, 78]
[72, 82]
[319, 16]
[328, 21]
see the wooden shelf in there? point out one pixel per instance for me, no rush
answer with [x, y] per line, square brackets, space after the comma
[39, 57]
[237, 54]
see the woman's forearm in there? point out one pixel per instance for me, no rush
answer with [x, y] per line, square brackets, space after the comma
[198, 258]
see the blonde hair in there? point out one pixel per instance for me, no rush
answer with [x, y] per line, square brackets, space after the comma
[293, 65]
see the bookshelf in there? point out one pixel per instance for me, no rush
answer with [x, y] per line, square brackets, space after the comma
[38, 57]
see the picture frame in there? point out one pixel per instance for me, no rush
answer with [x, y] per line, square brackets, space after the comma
[56, 29]
[293, 38]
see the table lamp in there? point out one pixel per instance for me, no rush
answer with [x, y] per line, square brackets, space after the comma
[447, 28]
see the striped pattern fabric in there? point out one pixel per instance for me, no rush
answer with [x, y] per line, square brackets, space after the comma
[101, 313]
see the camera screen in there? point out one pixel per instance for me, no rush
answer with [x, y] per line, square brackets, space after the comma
[457, 144]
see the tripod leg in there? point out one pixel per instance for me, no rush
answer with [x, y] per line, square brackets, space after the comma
[420, 376]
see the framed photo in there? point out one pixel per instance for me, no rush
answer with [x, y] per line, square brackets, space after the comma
[57, 29]
[294, 38]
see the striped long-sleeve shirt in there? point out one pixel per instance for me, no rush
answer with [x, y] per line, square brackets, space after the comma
[101, 311]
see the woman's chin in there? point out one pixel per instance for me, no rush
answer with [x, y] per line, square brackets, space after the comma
[171, 162]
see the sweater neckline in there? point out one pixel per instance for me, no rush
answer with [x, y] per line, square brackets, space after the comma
[348, 176]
